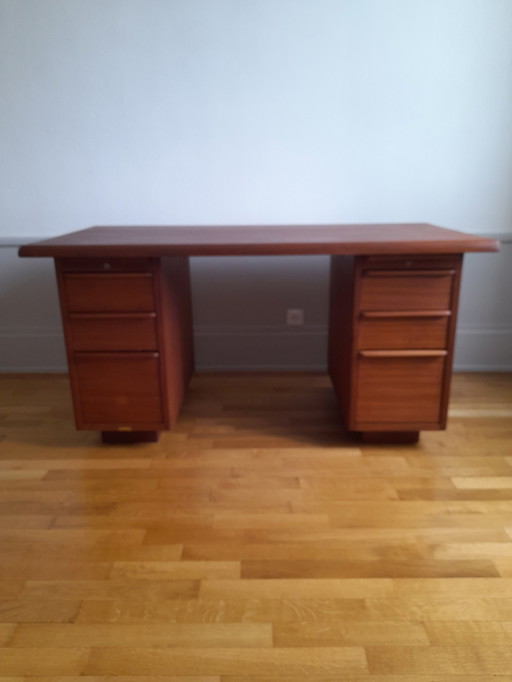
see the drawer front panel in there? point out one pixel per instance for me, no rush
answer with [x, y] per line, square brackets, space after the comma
[128, 332]
[120, 389]
[403, 291]
[411, 262]
[104, 264]
[402, 333]
[109, 293]
[399, 390]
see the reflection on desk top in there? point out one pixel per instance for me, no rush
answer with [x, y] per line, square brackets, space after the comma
[251, 240]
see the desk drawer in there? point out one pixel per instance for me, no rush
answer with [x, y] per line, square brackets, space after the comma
[120, 389]
[131, 292]
[105, 264]
[400, 290]
[111, 332]
[385, 331]
[399, 389]
[412, 262]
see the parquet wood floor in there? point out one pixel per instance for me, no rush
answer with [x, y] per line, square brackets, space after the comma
[256, 542]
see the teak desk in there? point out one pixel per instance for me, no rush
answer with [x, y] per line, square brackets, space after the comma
[125, 301]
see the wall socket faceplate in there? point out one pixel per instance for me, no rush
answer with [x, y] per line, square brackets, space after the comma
[294, 317]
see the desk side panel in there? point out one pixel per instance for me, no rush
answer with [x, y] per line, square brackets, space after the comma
[176, 331]
[341, 330]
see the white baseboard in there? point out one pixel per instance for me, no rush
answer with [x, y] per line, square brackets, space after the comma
[31, 336]
[251, 348]
[480, 349]
[32, 349]
[261, 348]
[268, 348]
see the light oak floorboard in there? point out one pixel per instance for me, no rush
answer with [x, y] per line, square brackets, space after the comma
[452, 660]
[144, 635]
[257, 542]
[45, 661]
[6, 632]
[232, 661]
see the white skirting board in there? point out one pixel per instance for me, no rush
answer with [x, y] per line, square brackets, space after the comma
[218, 349]
[239, 313]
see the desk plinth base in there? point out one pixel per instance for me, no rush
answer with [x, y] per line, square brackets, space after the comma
[125, 437]
[390, 437]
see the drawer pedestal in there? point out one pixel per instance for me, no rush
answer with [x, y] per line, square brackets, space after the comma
[391, 335]
[128, 330]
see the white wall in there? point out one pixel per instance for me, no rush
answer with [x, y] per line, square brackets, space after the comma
[226, 111]
[240, 111]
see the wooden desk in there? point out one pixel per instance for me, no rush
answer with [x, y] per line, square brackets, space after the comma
[125, 301]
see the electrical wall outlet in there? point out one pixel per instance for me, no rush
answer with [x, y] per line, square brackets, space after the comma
[294, 317]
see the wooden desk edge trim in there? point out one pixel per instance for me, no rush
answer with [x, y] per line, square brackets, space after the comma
[42, 250]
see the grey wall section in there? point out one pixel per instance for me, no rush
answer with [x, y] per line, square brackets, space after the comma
[239, 313]
[30, 329]
[484, 337]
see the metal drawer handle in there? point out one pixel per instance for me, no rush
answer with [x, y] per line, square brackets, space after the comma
[380, 314]
[409, 273]
[403, 353]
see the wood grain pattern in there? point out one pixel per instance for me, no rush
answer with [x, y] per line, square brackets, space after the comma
[6, 632]
[399, 389]
[247, 545]
[176, 332]
[114, 332]
[450, 660]
[402, 333]
[156, 635]
[352, 678]
[109, 293]
[129, 343]
[391, 336]
[119, 678]
[403, 290]
[42, 661]
[230, 661]
[119, 389]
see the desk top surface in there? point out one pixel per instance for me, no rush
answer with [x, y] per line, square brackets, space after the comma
[248, 240]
